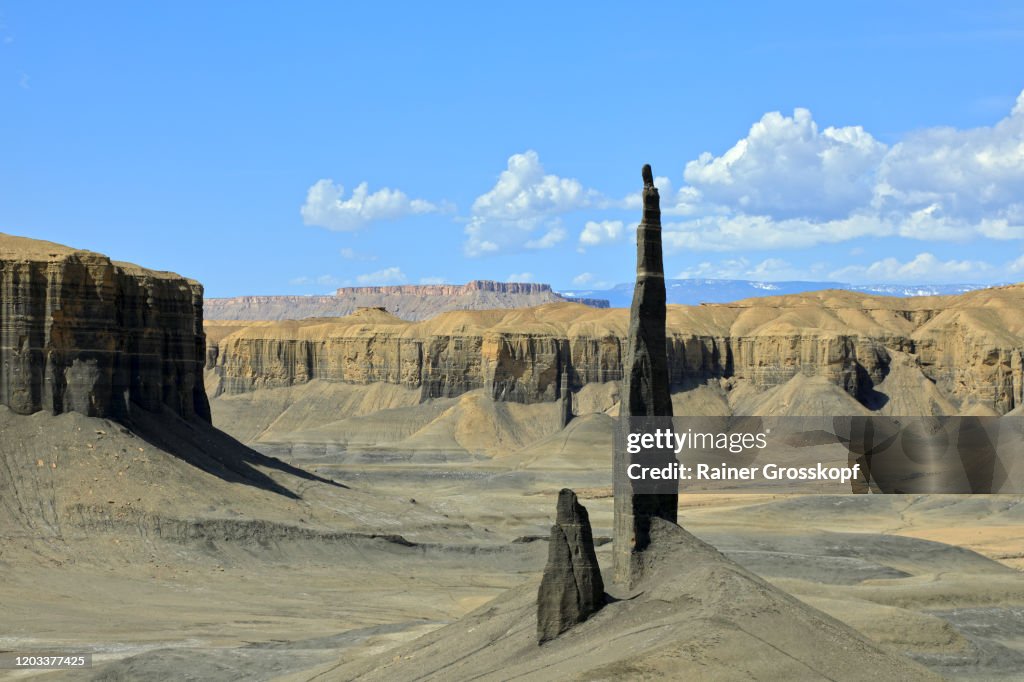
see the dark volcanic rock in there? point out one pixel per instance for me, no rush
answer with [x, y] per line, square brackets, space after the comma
[81, 333]
[571, 589]
[645, 390]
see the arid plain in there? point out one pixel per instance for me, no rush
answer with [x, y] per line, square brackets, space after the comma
[367, 482]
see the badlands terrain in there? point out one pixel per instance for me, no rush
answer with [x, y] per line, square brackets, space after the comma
[369, 497]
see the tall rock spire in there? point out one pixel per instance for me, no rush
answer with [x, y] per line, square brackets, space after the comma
[645, 392]
[564, 393]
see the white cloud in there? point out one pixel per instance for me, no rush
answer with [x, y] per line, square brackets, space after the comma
[524, 201]
[786, 167]
[320, 280]
[589, 280]
[603, 232]
[922, 269]
[520, 277]
[352, 254]
[772, 268]
[326, 207]
[524, 191]
[685, 201]
[635, 200]
[788, 184]
[769, 269]
[757, 232]
[477, 244]
[432, 280]
[549, 239]
[391, 275]
[971, 174]
[583, 278]
[727, 269]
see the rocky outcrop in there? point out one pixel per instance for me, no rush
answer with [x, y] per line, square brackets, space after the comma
[81, 333]
[410, 302]
[969, 346]
[645, 393]
[571, 589]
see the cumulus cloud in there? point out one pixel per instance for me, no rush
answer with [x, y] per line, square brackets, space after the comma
[327, 206]
[790, 184]
[686, 200]
[524, 201]
[769, 269]
[923, 268]
[971, 174]
[548, 239]
[603, 232]
[758, 232]
[1016, 266]
[523, 190]
[787, 167]
[583, 279]
[520, 277]
[392, 275]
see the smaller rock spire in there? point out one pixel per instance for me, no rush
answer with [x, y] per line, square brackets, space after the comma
[571, 589]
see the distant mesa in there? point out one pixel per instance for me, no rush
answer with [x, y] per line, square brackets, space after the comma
[423, 301]
[407, 301]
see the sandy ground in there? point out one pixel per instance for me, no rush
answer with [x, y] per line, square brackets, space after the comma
[216, 578]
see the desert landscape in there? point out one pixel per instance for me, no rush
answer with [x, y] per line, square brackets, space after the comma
[529, 341]
[369, 497]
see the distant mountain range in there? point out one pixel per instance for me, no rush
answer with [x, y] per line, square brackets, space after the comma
[697, 291]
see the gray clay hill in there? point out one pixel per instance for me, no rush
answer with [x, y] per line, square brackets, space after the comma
[694, 615]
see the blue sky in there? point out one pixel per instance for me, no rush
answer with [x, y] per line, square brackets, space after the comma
[273, 149]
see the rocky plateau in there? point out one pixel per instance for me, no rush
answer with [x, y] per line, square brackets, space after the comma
[407, 301]
[925, 355]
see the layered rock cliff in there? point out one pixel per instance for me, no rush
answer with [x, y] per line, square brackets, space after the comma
[410, 302]
[967, 347]
[81, 333]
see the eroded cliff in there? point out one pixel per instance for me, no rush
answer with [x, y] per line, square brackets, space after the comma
[79, 332]
[967, 348]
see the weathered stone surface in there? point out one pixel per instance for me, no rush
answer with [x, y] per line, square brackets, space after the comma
[571, 589]
[407, 301]
[969, 345]
[564, 392]
[645, 392]
[81, 333]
